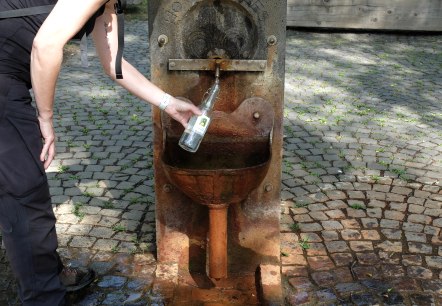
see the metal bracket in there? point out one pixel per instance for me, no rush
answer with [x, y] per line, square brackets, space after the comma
[224, 64]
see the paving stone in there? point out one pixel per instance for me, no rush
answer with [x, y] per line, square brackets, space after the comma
[432, 286]
[331, 225]
[350, 223]
[370, 235]
[345, 288]
[419, 272]
[112, 281]
[301, 284]
[320, 263]
[363, 299]
[416, 237]
[412, 227]
[385, 223]
[325, 295]
[419, 219]
[361, 246]
[351, 234]
[421, 248]
[367, 258]
[310, 227]
[434, 261]
[337, 204]
[369, 222]
[422, 299]
[392, 271]
[330, 235]
[290, 271]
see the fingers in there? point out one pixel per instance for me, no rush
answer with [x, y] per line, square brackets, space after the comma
[47, 154]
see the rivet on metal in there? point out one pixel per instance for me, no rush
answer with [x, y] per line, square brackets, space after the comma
[172, 64]
[167, 188]
[272, 40]
[256, 115]
[162, 40]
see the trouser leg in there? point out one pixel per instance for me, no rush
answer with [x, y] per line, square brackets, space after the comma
[28, 231]
[27, 220]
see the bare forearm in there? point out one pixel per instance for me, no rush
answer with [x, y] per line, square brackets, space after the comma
[45, 67]
[139, 86]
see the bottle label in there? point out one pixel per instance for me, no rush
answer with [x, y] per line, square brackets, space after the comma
[201, 124]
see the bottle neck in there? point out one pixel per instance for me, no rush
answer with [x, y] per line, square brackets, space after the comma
[209, 100]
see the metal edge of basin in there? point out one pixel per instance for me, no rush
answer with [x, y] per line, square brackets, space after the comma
[220, 185]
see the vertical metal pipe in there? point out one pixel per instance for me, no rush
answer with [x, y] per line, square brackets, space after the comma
[218, 241]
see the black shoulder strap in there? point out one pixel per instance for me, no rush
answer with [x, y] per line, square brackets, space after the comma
[120, 6]
[36, 10]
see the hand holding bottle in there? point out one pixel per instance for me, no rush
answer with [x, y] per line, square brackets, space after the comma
[181, 111]
[198, 124]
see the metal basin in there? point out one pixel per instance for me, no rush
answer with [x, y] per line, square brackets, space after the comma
[232, 160]
[219, 172]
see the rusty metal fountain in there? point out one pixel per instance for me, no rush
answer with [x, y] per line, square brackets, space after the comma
[218, 209]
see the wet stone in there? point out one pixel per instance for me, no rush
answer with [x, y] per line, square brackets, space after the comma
[114, 299]
[298, 299]
[110, 281]
[405, 283]
[133, 297]
[301, 283]
[363, 299]
[377, 285]
[422, 299]
[393, 299]
[101, 268]
[90, 299]
[326, 295]
[345, 288]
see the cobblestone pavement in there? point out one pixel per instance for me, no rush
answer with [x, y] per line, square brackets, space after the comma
[361, 209]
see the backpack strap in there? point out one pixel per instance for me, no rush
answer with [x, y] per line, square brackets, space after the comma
[120, 6]
[36, 10]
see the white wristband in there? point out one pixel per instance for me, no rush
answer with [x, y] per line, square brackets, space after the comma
[165, 101]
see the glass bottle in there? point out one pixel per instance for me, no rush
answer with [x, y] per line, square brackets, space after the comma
[197, 126]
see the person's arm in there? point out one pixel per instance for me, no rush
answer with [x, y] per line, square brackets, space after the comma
[105, 35]
[65, 20]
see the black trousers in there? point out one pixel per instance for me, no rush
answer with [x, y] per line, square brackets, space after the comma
[27, 220]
